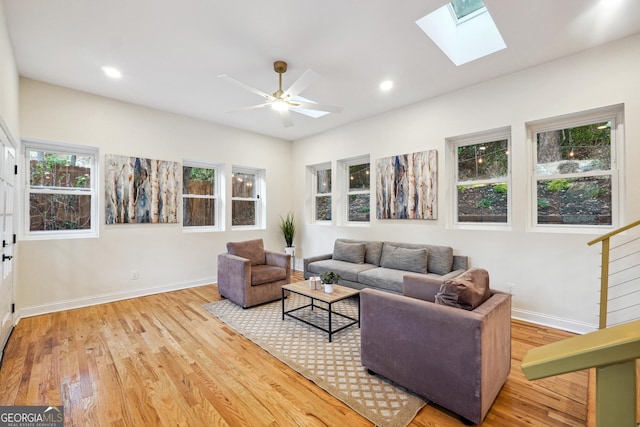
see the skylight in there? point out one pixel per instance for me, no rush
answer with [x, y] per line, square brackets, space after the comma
[464, 30]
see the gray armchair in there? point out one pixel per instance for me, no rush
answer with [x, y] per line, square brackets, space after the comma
[456, 358]
[249, 275]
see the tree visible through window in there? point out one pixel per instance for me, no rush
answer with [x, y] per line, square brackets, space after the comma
[574, 175]
[359, 193]
[60, 190]
[482, 182]
[323, 195]
[199, 196]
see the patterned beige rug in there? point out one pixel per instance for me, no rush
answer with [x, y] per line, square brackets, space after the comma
[333, 366]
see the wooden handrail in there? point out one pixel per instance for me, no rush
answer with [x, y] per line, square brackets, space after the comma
[604, 273]
[612, 351]
[613, 233]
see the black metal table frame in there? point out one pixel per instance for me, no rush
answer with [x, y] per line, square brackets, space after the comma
[329, 310]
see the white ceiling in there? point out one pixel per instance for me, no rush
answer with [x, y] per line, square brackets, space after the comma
[170, 52]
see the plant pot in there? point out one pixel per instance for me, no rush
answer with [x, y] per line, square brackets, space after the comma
[328, 288]
[290, 250]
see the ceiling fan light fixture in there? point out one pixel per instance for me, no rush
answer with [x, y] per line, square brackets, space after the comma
[280, 105]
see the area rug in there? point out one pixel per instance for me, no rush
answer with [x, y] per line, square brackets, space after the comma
[334, 366]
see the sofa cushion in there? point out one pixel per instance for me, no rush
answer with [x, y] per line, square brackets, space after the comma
[440, 258]
[346, 270]
[388, 279]
[468, 290]
[253, 250]
[406, 259]
[349, 252]
[373, 250]
[261, 274]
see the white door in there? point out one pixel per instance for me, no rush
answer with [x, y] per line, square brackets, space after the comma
[7, 238]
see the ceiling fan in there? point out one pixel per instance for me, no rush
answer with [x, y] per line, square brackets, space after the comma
[288, 100]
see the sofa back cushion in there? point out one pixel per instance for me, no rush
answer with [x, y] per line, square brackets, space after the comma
[468, 290]
[372, 251]
[405, 259]
[253, 250]
[349, 252]
[440, 258]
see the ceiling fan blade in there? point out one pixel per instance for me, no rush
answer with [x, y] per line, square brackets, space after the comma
[250, 107]
[286, 118]
[246, 86]
[301, 84]
[317, 107]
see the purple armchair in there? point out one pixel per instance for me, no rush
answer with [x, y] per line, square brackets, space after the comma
[249, 275]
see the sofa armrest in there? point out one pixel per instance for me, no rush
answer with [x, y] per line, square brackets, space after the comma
[307, 261]
[457, 358]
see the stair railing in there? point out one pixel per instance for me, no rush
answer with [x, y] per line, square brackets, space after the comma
[604, 274]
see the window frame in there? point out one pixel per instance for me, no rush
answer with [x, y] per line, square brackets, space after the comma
[259, 199]
[218, 197]
[452, 160]
[314, 192]
[614, 114]
[61, 148]
[343, 166]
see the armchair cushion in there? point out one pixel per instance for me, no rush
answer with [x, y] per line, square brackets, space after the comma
[468, 290]
[261, 274]
[253, 250]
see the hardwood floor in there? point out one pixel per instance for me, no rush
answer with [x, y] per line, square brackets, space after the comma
[164, 360]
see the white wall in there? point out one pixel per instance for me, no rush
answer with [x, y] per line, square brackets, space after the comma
[8, 79]
[57, 274]
[556, 275]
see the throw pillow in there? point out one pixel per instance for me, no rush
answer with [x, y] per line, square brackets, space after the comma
[404, 259]
[349, 252]
[253, 250]
[467, 291]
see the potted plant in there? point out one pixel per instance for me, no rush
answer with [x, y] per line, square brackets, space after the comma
[329, 278]
[288, 229]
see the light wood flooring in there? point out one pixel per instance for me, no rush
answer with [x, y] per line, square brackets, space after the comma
[162, 360]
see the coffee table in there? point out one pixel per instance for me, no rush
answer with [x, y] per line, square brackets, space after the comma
[339, 293]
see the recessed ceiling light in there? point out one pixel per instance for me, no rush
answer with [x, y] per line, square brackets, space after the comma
[386, 85]
[114, 73]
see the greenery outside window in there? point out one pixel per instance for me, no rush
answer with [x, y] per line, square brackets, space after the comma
[575, 179]
[246, 207]
[200, 196]
[61, 200]
[322, 193]
[358, 191]
[482, 176]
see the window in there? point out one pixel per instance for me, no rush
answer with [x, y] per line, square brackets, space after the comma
[481, 192]
[246, 207]
[61, 199]
[322, 192]
[575, 178]
[201, 196]
[358, 184]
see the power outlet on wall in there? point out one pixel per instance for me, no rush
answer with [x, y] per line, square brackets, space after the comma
[134, 275]
[511, 288]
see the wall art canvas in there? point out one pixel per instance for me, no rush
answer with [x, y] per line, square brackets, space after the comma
[407, 186]
[141, 190]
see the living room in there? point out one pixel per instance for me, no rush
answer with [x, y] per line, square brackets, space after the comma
[554, 274]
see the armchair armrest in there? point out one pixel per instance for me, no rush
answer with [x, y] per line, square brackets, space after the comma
[278, 259]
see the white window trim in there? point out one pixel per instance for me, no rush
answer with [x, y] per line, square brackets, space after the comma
[60, 147]
[451, 160]
[259, 200]
[343, 180]
[615, 114]
[218, 196]
[313, 170]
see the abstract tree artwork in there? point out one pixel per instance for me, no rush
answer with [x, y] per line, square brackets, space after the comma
[407, 186]
[141, 190]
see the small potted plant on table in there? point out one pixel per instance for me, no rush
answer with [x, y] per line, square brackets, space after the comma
[329, 278]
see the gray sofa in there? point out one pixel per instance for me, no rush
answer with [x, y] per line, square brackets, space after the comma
[458, 359]
[382, 265]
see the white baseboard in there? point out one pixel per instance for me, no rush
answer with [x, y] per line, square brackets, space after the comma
[106, 298]
[553, 321]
